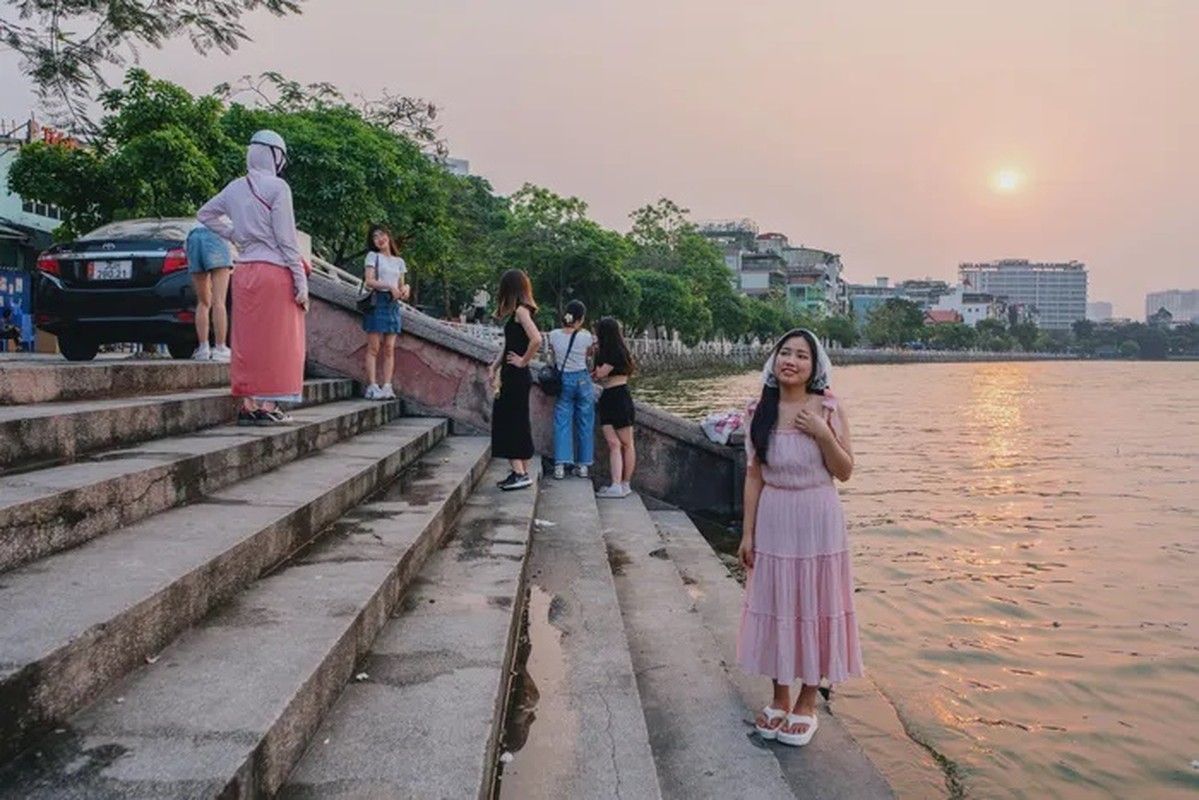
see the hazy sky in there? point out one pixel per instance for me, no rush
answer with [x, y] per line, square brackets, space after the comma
[873, 128]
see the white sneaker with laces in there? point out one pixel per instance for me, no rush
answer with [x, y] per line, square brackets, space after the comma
[559, 471]
[222, 354]
[626, 488]
[372, 392]
[387, 392]
[613, 492]
[203, 353]
[583, 472]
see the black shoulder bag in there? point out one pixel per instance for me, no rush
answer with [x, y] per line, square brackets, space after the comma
[550, 376]
[366, 302]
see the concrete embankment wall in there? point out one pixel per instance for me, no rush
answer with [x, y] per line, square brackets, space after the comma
[665, 356]
[441, 370]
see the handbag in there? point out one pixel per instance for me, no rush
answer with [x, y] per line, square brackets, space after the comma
[366, 302]
[550, 377]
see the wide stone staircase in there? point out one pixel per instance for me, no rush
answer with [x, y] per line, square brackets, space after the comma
[348, 607]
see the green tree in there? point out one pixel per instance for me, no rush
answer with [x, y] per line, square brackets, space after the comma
[1130, 349]
[956, 336]
[842, 330]
[668, 304]
[665, 240]
[64, 45]
[1025, 333]
[894, 322]
[158, 152]
[568, 255]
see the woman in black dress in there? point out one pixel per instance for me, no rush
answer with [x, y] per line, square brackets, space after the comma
[511, 430]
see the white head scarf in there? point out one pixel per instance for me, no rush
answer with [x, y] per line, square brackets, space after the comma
[821, 365]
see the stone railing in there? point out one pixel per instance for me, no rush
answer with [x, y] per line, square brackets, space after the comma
[441, 370]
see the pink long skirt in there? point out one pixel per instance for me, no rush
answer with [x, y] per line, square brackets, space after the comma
[267, 335]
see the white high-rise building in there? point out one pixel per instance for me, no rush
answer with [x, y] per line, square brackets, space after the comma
[1052, 295]
[1183, 306]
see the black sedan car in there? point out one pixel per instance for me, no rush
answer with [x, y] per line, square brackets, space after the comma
[123, 282]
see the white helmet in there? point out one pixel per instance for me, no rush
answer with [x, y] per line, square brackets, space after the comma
[278, 147]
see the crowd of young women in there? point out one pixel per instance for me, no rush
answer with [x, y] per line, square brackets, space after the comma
[798, 622]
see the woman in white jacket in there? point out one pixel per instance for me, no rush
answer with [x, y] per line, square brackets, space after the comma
[270, 287]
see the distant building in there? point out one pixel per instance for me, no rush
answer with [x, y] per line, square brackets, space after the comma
[926, 292]
[761, 264]
[942, 317]
[25, 226]
[1099, 311]
[457, 166]
[971, 307]
[1054, 295]
[862, 298]
[1182, 305]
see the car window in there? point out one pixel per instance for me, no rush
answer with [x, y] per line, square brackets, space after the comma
[172, 229]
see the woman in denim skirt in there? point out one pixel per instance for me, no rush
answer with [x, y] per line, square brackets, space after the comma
[385, 272]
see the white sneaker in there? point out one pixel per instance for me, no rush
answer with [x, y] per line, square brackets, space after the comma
[202, 353]
[613, 492]
[387, 392]
[372, 392]
[559, 471]
[626, 488]
[222, 354]
[583, 472]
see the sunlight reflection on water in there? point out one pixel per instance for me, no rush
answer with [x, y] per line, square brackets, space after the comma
[1026, 543]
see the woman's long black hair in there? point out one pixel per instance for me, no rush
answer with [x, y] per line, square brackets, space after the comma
[610, 345]
[393, 244]
[766, 415]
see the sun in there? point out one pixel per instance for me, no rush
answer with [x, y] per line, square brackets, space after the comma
[1007, 181]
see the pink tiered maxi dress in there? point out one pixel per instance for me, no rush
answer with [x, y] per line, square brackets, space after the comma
[798, 619]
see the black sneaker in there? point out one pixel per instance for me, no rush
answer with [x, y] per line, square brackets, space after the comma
[272, 417]
[506, 481]
[514, 481]
[246, 418]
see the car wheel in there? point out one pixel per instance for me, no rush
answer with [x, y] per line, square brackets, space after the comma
[78, 348]
[181, 348]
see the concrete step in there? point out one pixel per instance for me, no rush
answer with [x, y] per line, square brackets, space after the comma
[227, 710]
[46, 433]
[43, 381]
[425, 719]
[702, 747]
[69, 629]
[832, 766]
[49, 510]
[588, 737]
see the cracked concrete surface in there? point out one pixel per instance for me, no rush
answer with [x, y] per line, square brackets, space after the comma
[421, 718]
[588, 702]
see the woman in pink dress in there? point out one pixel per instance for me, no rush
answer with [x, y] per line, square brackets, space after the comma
[798, 621]
[270, 285]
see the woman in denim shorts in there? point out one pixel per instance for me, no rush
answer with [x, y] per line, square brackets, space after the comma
[210, 264]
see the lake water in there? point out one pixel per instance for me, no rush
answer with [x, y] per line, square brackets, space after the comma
[1026, 542]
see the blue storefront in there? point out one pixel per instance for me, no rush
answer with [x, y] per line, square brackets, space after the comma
[15, 307]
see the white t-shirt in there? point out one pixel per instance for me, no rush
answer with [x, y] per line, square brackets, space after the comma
[388, 269]
[560, 340]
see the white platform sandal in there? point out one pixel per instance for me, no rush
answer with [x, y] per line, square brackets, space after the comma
[798, 739]
[771, 714]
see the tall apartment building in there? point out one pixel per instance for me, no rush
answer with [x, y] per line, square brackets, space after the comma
[1099, 311]
[1182, 305]
[1052, 295]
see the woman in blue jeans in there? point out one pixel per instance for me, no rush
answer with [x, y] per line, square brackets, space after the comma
[574, 413]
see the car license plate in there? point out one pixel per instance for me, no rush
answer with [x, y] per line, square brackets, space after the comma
[110, 270]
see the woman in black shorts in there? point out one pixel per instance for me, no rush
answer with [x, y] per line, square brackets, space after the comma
[613, 367]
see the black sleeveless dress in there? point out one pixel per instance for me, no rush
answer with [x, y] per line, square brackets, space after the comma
[511, 430]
